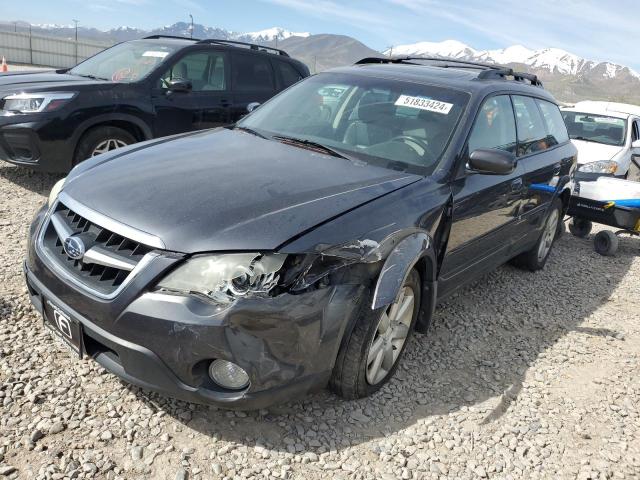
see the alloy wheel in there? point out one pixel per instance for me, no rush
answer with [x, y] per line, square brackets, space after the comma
[548, 235]
[391, 333]
[108, 145]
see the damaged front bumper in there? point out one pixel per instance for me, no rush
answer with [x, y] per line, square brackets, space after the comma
[287, 343]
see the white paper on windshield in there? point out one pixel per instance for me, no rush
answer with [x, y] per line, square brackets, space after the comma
[423, 103]
[154, 53]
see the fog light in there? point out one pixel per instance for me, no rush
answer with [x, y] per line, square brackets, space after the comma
[228, 375]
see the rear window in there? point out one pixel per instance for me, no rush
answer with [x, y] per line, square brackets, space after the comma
[553, 121]
[251, 74]
[532, 133]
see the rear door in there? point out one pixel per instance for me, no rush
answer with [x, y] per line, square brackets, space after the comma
[485, 207]
[252, 80]
[540, 130]
[205, 106]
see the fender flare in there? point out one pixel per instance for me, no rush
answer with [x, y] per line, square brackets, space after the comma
[406, 254]
[110, 117]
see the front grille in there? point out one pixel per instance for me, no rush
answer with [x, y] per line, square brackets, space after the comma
[108, 260]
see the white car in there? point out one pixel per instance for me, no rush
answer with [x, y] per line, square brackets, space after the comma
[607, 136]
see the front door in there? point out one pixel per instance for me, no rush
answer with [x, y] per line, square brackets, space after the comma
[485, 207]
[205, 106]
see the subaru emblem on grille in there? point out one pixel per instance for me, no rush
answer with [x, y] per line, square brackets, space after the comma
[74, 247]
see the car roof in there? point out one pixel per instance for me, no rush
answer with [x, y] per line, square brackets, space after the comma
[612, 109]
[460, 77]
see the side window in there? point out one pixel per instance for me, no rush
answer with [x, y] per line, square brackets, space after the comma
[532, 134]
[635, 134]
[495, 127]
[205, 70]
[288, 74]
[556, 128]
[251, 73]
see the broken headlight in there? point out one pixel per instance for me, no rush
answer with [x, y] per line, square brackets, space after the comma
[226, 277]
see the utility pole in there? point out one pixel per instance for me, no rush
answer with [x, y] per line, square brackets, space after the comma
[390, 51]
[76, 22]
[191, 28]
[15, 26]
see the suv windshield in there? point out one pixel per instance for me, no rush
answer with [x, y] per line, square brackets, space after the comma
[595, 128]
[125, 62]
[390, 123]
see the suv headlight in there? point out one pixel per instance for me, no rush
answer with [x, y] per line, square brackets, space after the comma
[226, 277]
[55, 190]
[35, 102]
[601, 166]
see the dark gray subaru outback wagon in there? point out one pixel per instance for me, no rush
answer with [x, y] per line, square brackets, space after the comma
[300, 248]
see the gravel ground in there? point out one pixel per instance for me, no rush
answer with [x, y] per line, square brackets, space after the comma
[522, 376]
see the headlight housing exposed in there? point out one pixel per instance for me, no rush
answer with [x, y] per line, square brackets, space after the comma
[35, 102]
[55, 191]
[226, 277]
[601, 166]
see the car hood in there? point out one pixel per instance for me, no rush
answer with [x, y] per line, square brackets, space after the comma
[24, 81]
[592, 152]
[226, 190]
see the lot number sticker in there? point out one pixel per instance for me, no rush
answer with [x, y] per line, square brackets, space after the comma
[424, 104]
[152, 53]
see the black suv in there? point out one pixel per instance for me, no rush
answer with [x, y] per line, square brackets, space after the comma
[242, 265]
[135, 91]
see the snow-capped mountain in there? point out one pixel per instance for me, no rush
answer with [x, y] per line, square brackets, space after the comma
[273, 34]
[552, 60]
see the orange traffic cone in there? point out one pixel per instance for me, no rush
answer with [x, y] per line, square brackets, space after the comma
[5, 67]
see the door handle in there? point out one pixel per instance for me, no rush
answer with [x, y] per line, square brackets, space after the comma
[224, 102]
[516, 185]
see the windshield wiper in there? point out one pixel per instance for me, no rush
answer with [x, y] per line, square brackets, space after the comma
[249, 130]
[92, 77]
[585, 139]
[310, 145]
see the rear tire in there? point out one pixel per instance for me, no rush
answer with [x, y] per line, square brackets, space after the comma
[579, 227]
[375, 339]
[536, 258]
[100, 140]
[606, 243]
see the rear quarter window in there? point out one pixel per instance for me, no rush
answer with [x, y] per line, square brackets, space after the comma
[288, 74]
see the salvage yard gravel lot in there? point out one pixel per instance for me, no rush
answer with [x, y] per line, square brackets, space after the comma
[521, 376]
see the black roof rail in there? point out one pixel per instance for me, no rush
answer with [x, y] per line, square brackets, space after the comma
[251, 46]
[448, 62]
[174, 37]
[489, 72]
[504, 73]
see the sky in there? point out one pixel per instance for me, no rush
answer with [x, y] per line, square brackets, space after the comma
[602, 30]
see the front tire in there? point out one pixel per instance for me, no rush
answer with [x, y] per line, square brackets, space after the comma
[536, 258]
[370, 355]
[100, 140]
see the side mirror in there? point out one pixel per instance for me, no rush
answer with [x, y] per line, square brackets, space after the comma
[252, 106]
[635, 144]
[492, 162]
[180, 85]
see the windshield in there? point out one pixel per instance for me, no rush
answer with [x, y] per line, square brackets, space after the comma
[595, 128]
[125, 62]
[390, 123]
